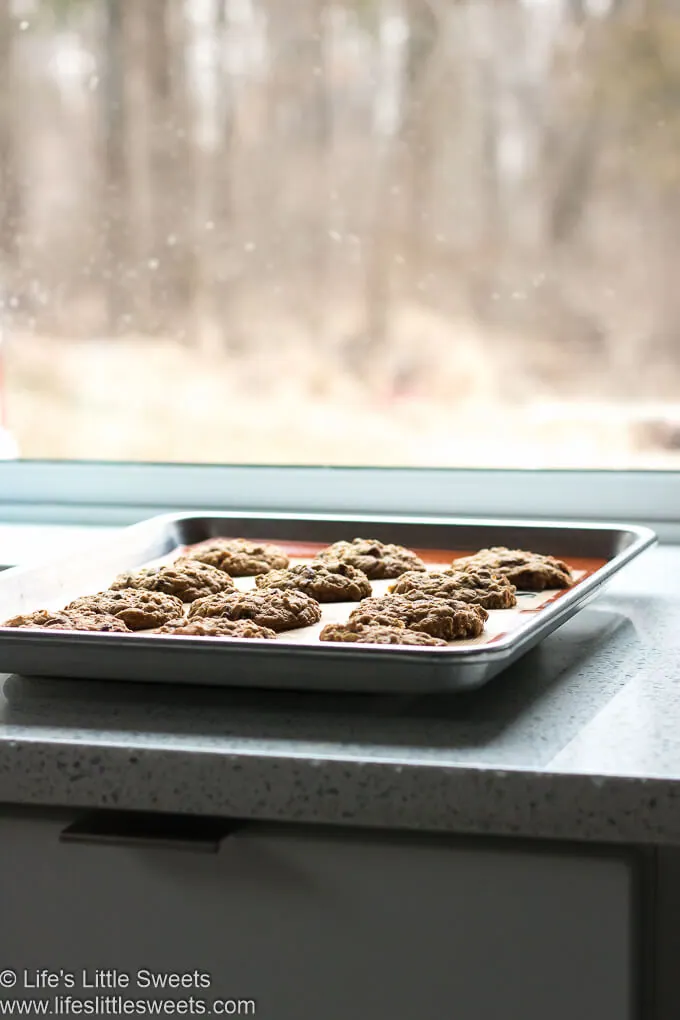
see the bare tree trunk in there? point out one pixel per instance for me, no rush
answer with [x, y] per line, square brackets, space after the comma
[10, 193]
[417, 131]
[378, 265]
[160, 152]
[176, 220]
[576, 173]
[488, 50]
[578, 159]
[115, 188]
[140, 37]
[300, 110]
[378, 280]
[214, 309]
[322, 172]
[165, 146]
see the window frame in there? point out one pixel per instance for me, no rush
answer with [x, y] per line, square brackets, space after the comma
[97, 493]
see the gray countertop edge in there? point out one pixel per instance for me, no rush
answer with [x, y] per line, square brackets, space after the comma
[332, 791]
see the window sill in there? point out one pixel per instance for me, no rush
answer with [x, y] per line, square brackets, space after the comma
[108, 494]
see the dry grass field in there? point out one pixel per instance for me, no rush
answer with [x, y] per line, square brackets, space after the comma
[155, 400]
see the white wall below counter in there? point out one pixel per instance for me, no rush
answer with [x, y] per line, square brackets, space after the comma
[323, 926]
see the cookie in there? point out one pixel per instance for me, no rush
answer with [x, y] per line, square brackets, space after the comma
[45, 619]
[187, 579]
[375, 559]
[448, 620]
[278, 610]
[239, 557]
[139, 610]
[376, 635]
[480, 587]
[330, 581]
[528, 571]
[217, 628]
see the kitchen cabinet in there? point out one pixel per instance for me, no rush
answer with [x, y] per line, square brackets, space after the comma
[327, 925]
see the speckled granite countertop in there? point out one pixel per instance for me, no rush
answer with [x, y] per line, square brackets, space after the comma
[579, 740]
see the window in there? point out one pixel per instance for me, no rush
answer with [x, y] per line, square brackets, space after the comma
[417, 233]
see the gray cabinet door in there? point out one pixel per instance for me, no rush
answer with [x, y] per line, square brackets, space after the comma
[327, 927]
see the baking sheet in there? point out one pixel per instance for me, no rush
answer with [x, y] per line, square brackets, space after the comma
[297, 658]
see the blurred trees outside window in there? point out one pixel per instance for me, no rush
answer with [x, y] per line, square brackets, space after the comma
[439, 232]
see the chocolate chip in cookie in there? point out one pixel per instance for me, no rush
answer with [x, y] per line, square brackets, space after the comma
[239, 557]
[139, 610]
[278, 610]
[376, 559]
[448, 620]
[330, 581]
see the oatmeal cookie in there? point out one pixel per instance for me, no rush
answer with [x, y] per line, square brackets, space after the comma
[217, 628]
[330, 581]
[397, 634]
[45, 619]
[238, 557]
[279, 610]
[187, 579]
[448, 620]
[374, 558]
[139, 610]
[528, 571]
[481, 587]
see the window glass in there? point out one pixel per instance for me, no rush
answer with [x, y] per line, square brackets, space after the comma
[414, 232]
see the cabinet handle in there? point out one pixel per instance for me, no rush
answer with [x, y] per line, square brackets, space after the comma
[160, 832]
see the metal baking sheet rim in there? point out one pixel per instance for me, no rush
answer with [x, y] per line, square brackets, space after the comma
[145, 659]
